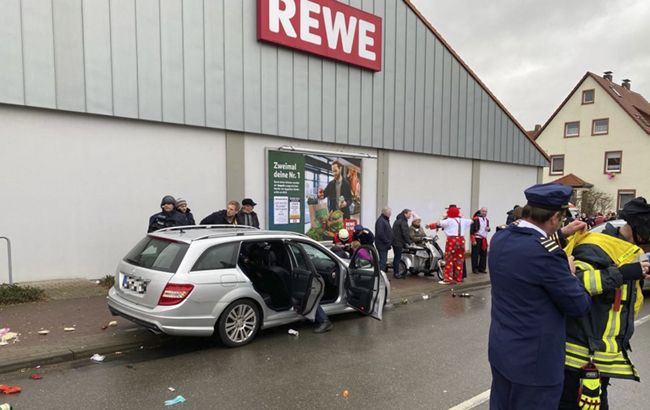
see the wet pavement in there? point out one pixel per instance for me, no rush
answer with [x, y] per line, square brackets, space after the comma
[427, 355]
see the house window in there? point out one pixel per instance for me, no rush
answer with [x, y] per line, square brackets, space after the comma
[624, 196]
[600, 126]
[557, 165]
[572, 129]
[613, 161]
[588, 96]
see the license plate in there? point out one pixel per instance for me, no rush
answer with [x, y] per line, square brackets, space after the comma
[134, 283]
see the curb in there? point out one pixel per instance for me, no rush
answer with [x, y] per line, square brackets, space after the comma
[144, 339]
[418, 297]
[83, 352]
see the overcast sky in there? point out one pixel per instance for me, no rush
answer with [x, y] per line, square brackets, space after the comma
[532, 53]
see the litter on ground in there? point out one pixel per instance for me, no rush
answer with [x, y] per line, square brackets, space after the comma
[97, 357]
[9, 389]
[177, 400]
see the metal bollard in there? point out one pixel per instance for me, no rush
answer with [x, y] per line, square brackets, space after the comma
[11, 282]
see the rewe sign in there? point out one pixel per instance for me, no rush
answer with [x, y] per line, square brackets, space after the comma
[327, 28]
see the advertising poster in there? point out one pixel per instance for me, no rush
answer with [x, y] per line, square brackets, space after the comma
[313, 194]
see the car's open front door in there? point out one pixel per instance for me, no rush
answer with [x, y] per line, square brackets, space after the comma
[307, 287]
[366, 291]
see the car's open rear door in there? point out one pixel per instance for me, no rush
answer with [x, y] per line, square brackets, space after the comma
[307, 286]
[366, 291]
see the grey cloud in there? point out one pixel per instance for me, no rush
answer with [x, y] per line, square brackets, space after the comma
[532, 53]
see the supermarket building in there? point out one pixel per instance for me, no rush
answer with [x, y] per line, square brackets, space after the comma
[106, 106]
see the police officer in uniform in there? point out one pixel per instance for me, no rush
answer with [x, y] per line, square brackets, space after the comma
[168, 217]
[533, 290]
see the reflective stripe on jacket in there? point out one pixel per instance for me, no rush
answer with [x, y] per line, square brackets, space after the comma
[607, 329]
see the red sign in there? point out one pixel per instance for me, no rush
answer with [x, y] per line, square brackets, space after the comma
[327, 28]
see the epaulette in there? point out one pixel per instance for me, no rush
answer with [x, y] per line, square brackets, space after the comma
[549, 244]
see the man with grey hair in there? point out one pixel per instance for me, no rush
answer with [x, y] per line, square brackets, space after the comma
[383, 237]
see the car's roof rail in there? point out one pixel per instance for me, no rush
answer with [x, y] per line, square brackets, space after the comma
[194, 227]
[251, 231]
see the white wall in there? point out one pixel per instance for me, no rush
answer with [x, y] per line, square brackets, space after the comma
[502, 186]
[77, 190]
[256, 180]
[428, 184]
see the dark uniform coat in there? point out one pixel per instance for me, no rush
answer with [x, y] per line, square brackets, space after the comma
[532, 293]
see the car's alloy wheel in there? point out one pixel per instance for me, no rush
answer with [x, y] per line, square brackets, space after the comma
[239, 323]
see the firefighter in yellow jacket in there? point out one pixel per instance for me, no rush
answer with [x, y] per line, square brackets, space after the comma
[612, 266]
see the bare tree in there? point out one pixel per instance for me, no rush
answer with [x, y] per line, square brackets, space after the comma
[593, 201]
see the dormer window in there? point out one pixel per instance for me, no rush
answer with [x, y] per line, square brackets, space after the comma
[588, 96]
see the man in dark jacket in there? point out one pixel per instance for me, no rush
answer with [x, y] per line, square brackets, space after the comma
[533, 291]
[383, 237]
[226, 216]
[338, 191]
[513, 214]
[401, 238]
[168, 217]
[246, 215]
[181, 206]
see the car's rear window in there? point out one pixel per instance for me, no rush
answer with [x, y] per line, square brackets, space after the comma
[157, 254]
[218, 257]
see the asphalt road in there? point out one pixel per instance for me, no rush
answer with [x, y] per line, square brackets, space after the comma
[426, 355]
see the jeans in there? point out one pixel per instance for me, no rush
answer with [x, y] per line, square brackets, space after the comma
[397, 252]
[321, 316]
[383, 258]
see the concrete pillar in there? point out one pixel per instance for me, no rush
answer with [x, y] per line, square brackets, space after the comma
[235, 166]
[382, 179]
[476, 188]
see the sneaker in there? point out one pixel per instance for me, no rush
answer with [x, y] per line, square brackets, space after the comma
[443, 282]
[326, 326]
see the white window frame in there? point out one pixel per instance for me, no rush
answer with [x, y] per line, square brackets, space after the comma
[566, 129]
[608, 156]
[550, 169]
[593, 127]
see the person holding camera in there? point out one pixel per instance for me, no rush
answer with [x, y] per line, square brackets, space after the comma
[168, 217]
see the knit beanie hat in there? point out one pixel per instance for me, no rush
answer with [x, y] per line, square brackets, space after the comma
[180, 202]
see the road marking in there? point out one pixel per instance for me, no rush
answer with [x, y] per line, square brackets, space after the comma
[642, 320]
[473, 402]
[485, 396]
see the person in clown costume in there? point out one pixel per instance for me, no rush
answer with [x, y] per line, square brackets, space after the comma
[455, 227]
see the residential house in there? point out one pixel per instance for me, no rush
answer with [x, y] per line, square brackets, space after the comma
[600, 136]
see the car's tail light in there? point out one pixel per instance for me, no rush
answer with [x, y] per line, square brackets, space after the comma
[174, 293]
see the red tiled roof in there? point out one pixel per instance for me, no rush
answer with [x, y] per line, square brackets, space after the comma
[633, 103]
[473, 75]
[573, 181]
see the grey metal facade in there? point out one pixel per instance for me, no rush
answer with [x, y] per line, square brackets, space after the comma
[198, 62]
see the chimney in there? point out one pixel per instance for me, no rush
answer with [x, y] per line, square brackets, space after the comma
[538, 127]
[608, 75]
[626, 84]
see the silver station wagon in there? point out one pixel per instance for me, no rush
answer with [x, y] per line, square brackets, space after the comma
[230, 281]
